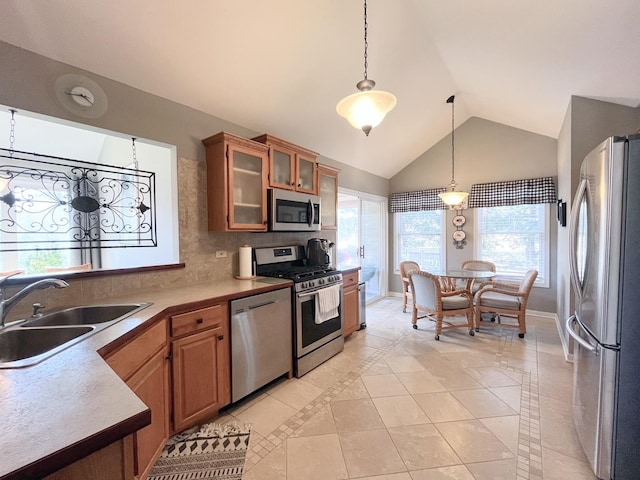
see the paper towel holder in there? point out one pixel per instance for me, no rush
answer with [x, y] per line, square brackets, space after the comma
[246, 277]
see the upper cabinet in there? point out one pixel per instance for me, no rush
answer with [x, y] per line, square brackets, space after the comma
[328, 191]
[290, 167]
[237, 180]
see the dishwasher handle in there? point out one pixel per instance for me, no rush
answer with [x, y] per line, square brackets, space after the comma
[257, 305]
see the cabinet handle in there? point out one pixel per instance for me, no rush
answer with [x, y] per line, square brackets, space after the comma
[199, 320]
[220, 337]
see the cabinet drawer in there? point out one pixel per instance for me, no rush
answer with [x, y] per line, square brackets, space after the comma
[350, 279]
[135, 353]
[198, 319]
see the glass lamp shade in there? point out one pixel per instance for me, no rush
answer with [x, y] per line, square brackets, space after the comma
[452, 197]
[367, 109]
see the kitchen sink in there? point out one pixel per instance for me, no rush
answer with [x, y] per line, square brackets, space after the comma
[86, 315]
[27, 343]
[31, 341]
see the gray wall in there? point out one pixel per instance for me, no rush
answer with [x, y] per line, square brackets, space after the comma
[587, 123]
[27, 83]
[485, 151]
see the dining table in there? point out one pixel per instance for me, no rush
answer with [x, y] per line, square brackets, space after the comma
[449, 277]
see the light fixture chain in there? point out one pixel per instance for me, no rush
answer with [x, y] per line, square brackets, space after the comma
[453, 156]
[366, 45]
[12, 132]
[133, 148]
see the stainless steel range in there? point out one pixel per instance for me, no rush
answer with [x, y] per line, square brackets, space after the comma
[317, 316]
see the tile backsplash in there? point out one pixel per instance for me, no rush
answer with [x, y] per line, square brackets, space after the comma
[197, 251]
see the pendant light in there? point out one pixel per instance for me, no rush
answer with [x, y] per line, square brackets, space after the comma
[367, 108]
[452, 197]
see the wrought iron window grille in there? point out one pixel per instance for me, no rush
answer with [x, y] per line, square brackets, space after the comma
[54, 203]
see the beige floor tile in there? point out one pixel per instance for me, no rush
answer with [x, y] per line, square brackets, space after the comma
[552, 388]
[353, 391]
[442, 407]
[297, 393]
[562, 438]
[271, 467]
[420, 382]
[266, 415]
[422, 446]
[315, 458]
[509, 395]
[320, 424]
[473, 442]
[506, 429]
[370, 453]
[491, 377]
[556, 466]
[403, 364]
[380, 368]
[356, 415]
[482, 403]
[455, 379]
[556, 411]
[398, 411]
[496, 470]
[384, 386]
[456, 472]
[392, 476]
[323, 377]
[343, 363]
[373, 340]
[471, 359]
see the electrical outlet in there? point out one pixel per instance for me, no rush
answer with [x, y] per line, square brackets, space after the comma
[221, 254]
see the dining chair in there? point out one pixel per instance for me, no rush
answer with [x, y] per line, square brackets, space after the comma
[505, 299]
[429, 297]
[477, 265]
[406, 267]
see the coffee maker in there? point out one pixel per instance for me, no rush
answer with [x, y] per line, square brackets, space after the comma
[319, 252]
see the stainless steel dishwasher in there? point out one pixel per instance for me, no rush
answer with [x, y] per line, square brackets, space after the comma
[261, 341]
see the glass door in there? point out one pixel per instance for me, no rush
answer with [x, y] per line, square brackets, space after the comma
[362, 239]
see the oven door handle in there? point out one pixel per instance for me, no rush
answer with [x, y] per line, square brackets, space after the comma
[308, 294]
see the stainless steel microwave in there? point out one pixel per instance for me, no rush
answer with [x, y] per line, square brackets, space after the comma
[292, 211]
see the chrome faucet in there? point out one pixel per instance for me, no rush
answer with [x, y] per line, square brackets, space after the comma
[9, 303]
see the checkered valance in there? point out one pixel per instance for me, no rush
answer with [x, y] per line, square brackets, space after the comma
[417, 201]
[513, 192]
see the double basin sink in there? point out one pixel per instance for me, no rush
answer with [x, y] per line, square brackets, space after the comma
[30, 341]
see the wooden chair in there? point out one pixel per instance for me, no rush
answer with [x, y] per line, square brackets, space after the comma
[477, 265]
[505, 299]
[84, 266]
[429, 297]
[405, 268]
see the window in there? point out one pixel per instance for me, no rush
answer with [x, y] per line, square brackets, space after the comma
[516, 239]
[419, 237]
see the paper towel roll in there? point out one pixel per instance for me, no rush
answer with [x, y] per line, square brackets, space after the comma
[245, 261]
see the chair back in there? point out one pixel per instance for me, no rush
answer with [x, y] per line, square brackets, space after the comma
[478, 265]
[426, 289]
[408, 266]
[527, 282]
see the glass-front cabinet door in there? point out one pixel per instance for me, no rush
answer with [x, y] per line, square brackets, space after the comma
[328, 191]
[306, 174]
[282, 165]
[247, 179]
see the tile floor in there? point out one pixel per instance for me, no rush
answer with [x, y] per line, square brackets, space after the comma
[398, 405]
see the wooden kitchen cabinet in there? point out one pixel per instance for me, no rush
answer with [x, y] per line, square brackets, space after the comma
[200, 364]
[237, 180]
[328, 191]
[143, 364]
[291, 167]
[351, 303]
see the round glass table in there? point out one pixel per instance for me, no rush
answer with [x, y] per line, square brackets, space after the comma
[449, 278]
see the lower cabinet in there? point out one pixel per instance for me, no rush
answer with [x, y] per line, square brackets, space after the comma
[350, 304]
[143, 364]
[200, 364]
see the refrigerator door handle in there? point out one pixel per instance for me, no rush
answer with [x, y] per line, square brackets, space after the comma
[573, 259]
[569, 324]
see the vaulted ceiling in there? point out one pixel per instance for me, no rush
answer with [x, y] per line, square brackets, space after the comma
[281, 66]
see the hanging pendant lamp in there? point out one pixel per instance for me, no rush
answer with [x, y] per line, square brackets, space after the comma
[367, 108]
[452, 197]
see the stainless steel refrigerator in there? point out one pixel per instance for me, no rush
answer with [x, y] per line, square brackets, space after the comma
[605, 274]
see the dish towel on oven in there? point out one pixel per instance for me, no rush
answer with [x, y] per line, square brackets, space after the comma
[327, 303]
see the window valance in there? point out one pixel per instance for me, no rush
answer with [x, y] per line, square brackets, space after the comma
[417, 201]
[513, 192]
